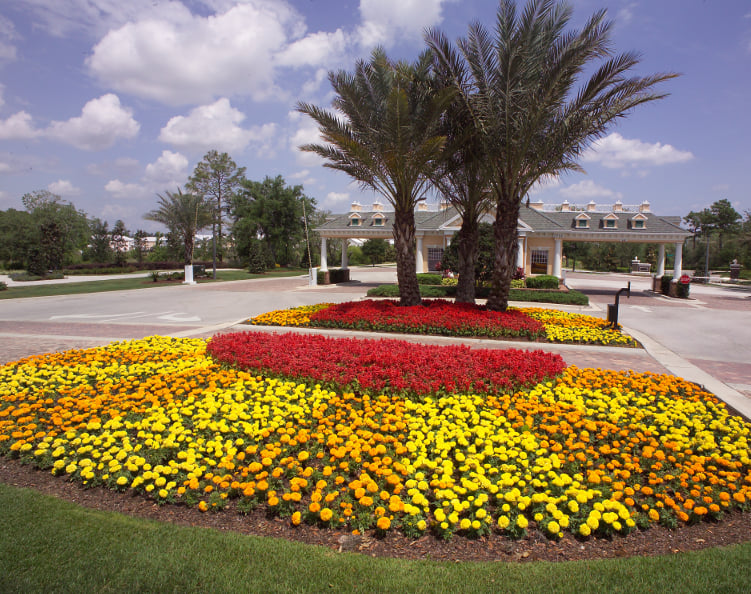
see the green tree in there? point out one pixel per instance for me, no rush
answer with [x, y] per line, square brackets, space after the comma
[374, 250]
[139, 245]
[100, 249]
[528, 110]
[725, 218]
[184, 215]
[59, 229]
[217, 177]
[388, 139]
[119, 243]
[17, 235]
[273, 212]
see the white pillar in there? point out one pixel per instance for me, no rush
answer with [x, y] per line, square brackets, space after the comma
[660, 260]
[189, 275]
[520, 252]
[678, 266]
[557, 257]
[324, 265]
[418, 257]
[345, 255]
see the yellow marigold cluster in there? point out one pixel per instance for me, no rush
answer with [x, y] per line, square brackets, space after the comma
[561, 326]
[593, 452]
[296, 316]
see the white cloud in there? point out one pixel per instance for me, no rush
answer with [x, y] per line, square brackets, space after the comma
[336, 199]
[170, 169]
[101, 123]
[7, 35]
[215, 126]
[194, 59]
[625, 15]
[121, 190]
[314, 49]
[384, 21]
[19, 126]
[303, 177]
[168, 172]
[615, 152]
[63, 187]
[587, 190]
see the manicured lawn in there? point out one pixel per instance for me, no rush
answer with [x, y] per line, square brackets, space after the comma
[126, 284]
[49, 545]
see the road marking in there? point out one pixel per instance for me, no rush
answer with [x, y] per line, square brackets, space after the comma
[641, 308]
[177, 318]
[94, 316]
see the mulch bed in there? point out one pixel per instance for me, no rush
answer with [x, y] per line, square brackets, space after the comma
[734, 528]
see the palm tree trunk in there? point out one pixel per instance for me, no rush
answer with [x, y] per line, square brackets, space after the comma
[404, 243]
[504, 262]
[467, 238]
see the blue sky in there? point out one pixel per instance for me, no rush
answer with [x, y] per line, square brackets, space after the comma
[108, 103]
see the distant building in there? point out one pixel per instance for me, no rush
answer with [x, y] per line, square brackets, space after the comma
[542, 229]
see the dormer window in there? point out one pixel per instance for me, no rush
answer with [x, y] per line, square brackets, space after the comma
[610, 221]
[355, 221]
[639, 222]
[582, 221]
[378, 220]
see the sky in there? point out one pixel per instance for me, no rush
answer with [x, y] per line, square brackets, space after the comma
[108, 103]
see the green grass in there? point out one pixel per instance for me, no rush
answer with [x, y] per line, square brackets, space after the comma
[127, 284]
[49, 545]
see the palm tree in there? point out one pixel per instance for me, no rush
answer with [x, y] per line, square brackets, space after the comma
[528, 110]
[184, 215]
[462, 177]
[387, 138]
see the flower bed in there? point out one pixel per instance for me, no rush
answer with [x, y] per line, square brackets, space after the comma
[453, 319]
[385, 366]
[561, 326]
[295, 316]
[592, 452]
[432, 317]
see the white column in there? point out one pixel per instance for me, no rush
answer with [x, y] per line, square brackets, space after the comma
[418, 257]
[660, 260]
[189, 275]
[678, 266]
[520, 252]
[324, 265]
[345, 255]
[557, 257]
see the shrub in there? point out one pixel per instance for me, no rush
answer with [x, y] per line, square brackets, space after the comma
[541, 296]
[682, 290]
[432, 291]
[543, 281]
[3, 286]
[518, 283]
[24, 277]
[665, 284]
[429, 279]
[449, 282]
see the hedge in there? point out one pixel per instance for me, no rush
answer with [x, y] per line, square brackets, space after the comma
[526, 295]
